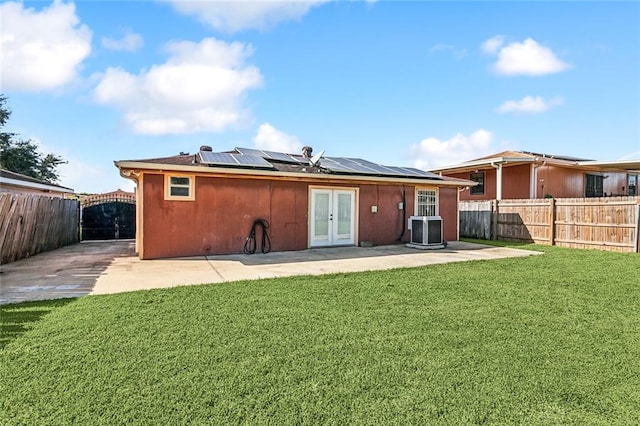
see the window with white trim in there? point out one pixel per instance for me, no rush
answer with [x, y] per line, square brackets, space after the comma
[426, 202]
[179, 187]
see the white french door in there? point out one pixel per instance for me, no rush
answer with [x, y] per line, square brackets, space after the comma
[332, 217]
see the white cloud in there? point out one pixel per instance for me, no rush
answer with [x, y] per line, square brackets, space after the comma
[130, 42]
[199, 89]
[232, 16]
[433, 152]
[492, 45]
[529, 104]
[41, 50]
[526, 58]
[271, 139]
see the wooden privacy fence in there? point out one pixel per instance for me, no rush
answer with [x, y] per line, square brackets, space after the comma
[31, 224]
[611, 223]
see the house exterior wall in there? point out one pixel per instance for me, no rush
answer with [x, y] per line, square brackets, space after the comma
[220, 217]
[13, 189]
[489, 185]
[560, 182]
[448, 200]
[516, 181]
[615, 184]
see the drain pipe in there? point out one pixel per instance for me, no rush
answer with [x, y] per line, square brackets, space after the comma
[533, 187]
[498, 167]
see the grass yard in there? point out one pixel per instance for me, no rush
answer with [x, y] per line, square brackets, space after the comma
[551, 339]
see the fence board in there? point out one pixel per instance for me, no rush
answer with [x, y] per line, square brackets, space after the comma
[31, 224]
[610, 223]
[476, 219]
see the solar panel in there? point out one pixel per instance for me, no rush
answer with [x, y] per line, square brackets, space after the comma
[251, 160]
[269, 155]
[227, 159]
[410, 171]
[250, 151]
[279, 156]
[334, 166]
[360, 166]
[355, 165]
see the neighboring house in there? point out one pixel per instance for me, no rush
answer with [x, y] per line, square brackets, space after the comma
[16, 183]
[522, 175]
[207, 203]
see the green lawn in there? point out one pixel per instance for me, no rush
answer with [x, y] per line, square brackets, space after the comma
[550, 339]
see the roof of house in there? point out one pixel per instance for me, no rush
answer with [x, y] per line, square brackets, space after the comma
[8, 177]
[524, 157]
[255, 162]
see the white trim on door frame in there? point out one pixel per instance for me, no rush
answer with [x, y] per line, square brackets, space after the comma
[333, 202]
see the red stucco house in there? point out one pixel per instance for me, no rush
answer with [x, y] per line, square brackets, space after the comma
[528, 175]
[206, 203]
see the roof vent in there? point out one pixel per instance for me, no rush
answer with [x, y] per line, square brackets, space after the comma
[206, 148]
[306, 151]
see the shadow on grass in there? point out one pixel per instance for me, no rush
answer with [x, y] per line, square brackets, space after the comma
[16, 319]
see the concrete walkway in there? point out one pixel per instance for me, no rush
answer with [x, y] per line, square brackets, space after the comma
[112, 267]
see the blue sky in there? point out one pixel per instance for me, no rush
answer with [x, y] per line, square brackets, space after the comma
[423, 84]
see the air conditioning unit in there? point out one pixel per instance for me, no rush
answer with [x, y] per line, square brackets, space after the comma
[426, 232]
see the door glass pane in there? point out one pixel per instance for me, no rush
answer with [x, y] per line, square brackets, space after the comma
[321, 216]
[344, 214]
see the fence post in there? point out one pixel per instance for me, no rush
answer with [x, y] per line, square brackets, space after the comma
[494, 219]
[637, 244]
[552, 220]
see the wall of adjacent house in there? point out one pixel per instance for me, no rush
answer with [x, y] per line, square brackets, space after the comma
[560, 182]
[489, 185]
[13, 189]
[516, 181]
[220, 218]
[615, 184]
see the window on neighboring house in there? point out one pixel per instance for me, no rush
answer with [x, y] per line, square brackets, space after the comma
[479, 188]
[632, 186]
[179, 188]
[595, 184]
[426, 202]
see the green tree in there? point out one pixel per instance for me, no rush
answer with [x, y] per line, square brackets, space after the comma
[23, 156]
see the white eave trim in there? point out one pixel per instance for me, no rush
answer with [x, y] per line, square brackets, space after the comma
[622, 165]
[34, 185]
[485, 162]
[141, 166]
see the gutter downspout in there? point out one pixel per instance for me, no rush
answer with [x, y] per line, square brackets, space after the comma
[533, 190]
[498, 168]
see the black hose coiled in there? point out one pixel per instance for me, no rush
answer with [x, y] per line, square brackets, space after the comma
[250, 244]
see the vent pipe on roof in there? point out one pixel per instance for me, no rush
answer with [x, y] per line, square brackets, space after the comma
[206, 148]
[306, 151]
